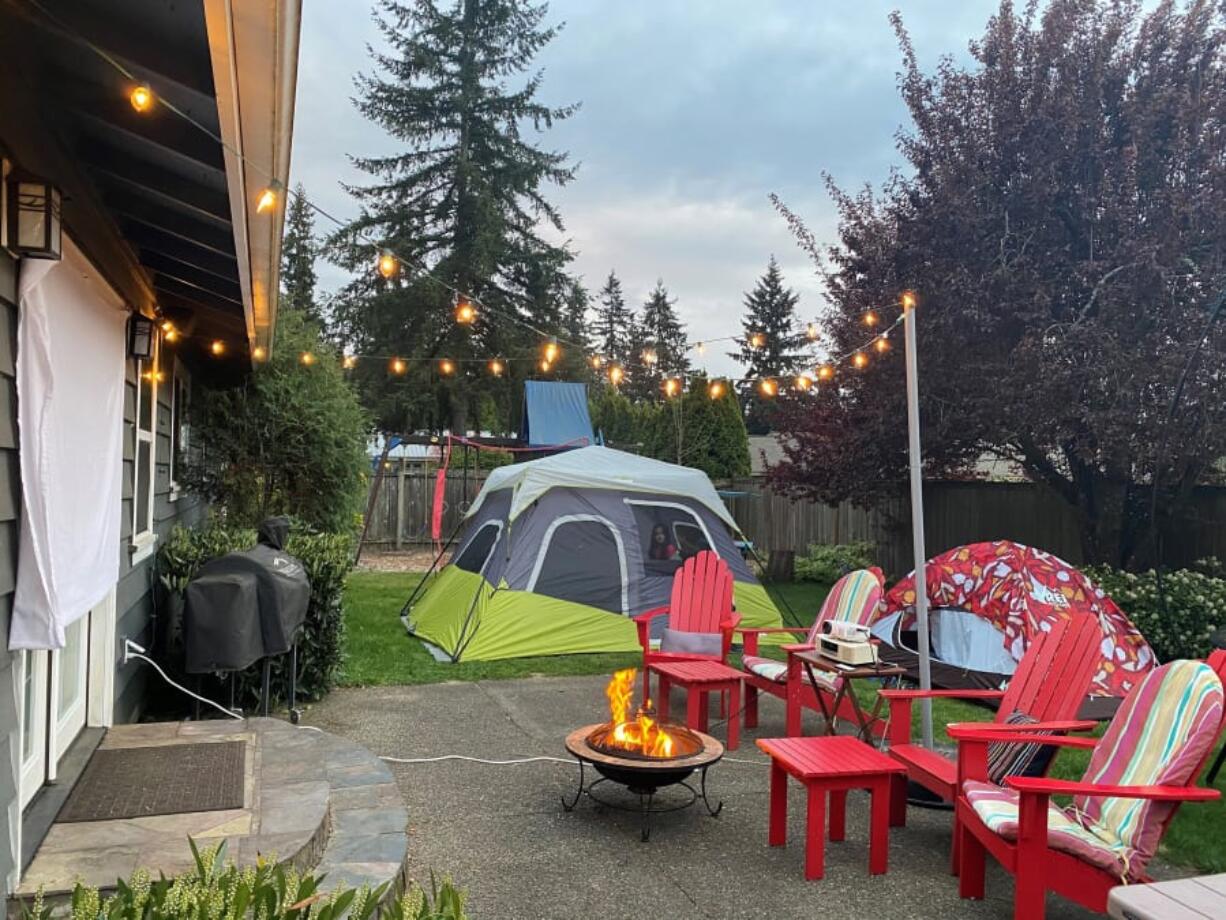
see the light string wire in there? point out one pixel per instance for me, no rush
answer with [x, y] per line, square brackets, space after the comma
[422, 270]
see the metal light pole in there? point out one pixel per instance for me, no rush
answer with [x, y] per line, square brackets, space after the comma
[917, 510]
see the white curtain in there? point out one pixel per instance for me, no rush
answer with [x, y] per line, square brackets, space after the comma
[70, 387]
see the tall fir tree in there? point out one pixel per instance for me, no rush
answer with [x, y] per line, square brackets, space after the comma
[613, 322]
[465, 198]
[665, 337]
[772, 343]
[640, 376]
[299, 250]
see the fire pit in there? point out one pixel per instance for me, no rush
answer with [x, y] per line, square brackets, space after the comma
[642, 755]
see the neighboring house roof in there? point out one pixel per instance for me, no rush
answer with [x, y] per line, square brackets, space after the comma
[165, 208]
[764, 451]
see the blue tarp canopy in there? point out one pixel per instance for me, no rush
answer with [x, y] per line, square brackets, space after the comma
[555, 413]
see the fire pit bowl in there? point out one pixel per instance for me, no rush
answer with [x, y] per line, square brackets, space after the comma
[644, 775]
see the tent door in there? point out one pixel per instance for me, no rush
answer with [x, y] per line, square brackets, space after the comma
[582, 559]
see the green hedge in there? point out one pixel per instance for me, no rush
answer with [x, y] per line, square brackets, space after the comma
[1195, 605]
[327, 559]
[828, 563]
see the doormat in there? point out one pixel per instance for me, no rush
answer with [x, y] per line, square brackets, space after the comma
[166, 779]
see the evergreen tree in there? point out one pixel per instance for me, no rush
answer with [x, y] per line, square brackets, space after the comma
[299, 249]
[641, 378]
[464, 198]
[613, 322]
[664, 337]
[696, 430]
[772, 344]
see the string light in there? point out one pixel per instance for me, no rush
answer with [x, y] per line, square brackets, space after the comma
[715, 389]
[388, 265]
[446, 367]
[859, 359]
[267, 200]
[768, 387]
[649, 357]
[307, 358]
[465, 313]
[397, 366]
[159, 376]
[811, 332]
[169, 332]
[870, 319]
[597, 361]
[551, 352]
[349, 362]
[496, 367]
[802, 382]
[825, 372]
[882, 343]
[701, 347]
[218, 348]
[141, 98]
[756, 340]
[616, 375]
[545, 365]
[908, 300]
[672, 386]
[259, 353]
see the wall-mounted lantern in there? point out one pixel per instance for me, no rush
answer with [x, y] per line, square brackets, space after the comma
[33, 217]
[141, 332]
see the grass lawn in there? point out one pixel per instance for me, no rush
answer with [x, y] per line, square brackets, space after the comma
[379, 653]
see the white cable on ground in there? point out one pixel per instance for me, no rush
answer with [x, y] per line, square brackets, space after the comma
[131, 654]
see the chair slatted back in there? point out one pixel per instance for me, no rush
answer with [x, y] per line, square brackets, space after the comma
[1054, 675]
[854, 598]
[702, 594]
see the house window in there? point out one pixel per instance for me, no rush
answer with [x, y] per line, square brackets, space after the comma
[144, 467]
[180, 430]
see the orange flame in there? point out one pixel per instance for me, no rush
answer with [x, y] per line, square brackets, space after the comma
[643, 734]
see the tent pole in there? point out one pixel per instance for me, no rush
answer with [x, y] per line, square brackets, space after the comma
[917, 512]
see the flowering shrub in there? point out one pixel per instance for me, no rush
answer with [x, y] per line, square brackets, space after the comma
[219, 890]
[1195, 605]
[827, 563]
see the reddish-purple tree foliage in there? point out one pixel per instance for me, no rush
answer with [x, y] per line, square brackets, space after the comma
[1063, 221]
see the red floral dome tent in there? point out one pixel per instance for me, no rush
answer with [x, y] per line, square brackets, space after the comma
[1015, 590]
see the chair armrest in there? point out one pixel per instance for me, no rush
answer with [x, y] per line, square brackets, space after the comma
[750, 634]
[798, 647]
[1032, 785]
[642, 623]
[726, 628]
[942, 694]
[1069, 725]
[650, 615]
[970, 733]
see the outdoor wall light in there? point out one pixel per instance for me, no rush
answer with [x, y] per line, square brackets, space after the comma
[33, 218]
[141, 333]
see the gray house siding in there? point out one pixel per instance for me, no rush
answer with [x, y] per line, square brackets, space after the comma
[135, 594]
[10, 503]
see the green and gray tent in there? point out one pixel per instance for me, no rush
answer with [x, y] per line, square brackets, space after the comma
[559, 553]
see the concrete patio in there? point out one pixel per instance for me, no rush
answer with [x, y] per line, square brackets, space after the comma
[501, 833]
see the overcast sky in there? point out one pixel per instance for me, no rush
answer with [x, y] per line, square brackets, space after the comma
[693, 111]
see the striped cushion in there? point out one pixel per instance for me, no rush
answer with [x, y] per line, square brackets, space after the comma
[855, 598]
[1161, 733]
[777, 671]
[997, 808]
[1019, 759]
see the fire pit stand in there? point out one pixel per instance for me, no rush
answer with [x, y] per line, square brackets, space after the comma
[643, 776]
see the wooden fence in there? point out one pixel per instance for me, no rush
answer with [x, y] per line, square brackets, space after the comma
[954, 512]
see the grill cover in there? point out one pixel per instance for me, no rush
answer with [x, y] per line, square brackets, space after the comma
[245, 606]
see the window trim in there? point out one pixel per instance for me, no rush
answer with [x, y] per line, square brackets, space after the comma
[179, 378]
[547, 540]
[489, 553]
[680, 507]
[145, 539]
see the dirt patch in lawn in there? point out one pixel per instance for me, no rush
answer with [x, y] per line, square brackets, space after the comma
[417, 559]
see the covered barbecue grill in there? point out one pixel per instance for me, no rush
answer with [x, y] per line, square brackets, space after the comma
[247, 606]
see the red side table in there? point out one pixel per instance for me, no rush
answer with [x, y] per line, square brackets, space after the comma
[830, 764]
[700, 679]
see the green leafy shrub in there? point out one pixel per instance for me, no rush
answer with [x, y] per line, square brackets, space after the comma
[1195, 605]
[827, 563]
[327, 559]
[219, 890]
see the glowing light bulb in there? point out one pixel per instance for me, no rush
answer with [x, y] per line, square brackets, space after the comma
[259, 353]
[908, 300]
[811, 332]
[169, 332]
[551, 352]
[672, 386]
[388, 265]
[141, 98]
[768, 387]
[715, 389]
[397, 366]
[802, 382]
[757, 340]
[649, 357]
[267, 200]
[825, 372]
[882, 344]
[616, 375]
[545, 366]
[859, 359]
[307, 358]
[218, 348]
[597, 361]
[701, 348]
[446, 367]
[465, 313]
[349, 362]
[497, 367]
[870, 319]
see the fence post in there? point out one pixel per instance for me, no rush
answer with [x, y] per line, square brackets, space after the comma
[399, 503]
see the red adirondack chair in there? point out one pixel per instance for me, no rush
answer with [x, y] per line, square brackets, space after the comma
[1049, 685]
[701, 603]
[1141, 770]
[855, 598]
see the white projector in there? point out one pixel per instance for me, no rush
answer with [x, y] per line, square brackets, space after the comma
[847, 643]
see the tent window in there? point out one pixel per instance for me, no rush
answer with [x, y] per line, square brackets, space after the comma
[477, 553]
[582, 560]
[669, 533]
